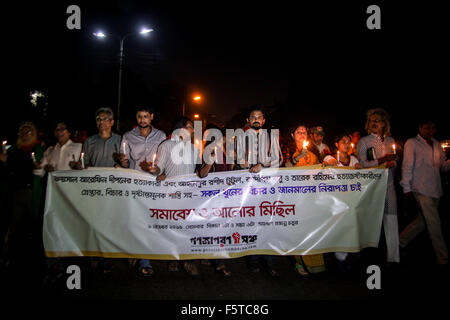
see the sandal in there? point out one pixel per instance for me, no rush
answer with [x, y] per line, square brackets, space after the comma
[191, 268]
[223, 270]
[301, 270]
[146, 271]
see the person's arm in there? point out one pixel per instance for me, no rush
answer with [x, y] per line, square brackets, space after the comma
[361, 149]
[43, 166]
[408, 166]
[204, 170]
[124, 162]
[444, 164]
[329, 161]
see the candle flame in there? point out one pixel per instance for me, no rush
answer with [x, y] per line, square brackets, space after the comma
[305, 144]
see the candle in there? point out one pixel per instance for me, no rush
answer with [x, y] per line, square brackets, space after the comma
[33, 157]
[124, 147]
[353, 145]
[338, 156]
[153, 162]
[4, 146]
[82, 160]
[305, 144]
[393, 147]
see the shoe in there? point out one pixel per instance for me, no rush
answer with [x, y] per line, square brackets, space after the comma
[301, 270]
[145, 272]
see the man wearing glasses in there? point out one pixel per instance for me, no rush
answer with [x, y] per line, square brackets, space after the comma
[99, 149]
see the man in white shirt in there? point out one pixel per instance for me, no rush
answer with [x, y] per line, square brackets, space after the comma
[423, 159]
[61, 155]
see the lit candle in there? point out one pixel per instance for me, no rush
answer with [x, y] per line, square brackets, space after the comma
[33, 157]
[124, 147]
[338, 156]
[305, 144]
[393, 147]
[82, 160]
[4, 146]
[353, 146]
[153, 162]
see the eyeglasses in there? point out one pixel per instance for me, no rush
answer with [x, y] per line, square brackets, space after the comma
[98, 119]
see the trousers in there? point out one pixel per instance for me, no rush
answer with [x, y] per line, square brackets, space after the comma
[429, 218]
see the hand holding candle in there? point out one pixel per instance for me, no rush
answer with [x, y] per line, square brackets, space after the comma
[393, 147]
[305, 144]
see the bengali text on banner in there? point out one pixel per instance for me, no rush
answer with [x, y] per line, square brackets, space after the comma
[125, 213]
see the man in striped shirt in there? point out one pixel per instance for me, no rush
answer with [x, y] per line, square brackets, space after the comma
[176, 156]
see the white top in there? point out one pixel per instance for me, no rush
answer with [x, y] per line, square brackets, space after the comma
[175, 158]
[421, 167]
[59, 156]
[353, 161]
[381, 149]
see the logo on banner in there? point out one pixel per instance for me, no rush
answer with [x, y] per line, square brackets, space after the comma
[236, 237]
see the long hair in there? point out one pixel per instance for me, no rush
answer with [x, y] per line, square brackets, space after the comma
[384, 116]
[292, 146]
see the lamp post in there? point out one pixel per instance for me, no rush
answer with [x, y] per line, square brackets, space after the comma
[100, 34]
[196, 98]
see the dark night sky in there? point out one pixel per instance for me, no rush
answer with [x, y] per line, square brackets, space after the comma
[319, 61]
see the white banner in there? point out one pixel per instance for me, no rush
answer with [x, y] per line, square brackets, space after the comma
[126, 213]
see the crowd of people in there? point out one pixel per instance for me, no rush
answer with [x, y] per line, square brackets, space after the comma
[26, 164]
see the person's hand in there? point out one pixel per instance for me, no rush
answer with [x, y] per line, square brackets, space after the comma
[116, 157]
[390, 164]
[154, 170]
[4, 157]
[244, 165]
[145, 166]
[387, 158]
[161, 177]
[47, 168]
[256, 168]
[76, 165]
[298, 155]
[331, 162]
[123, 160]
[358, 166]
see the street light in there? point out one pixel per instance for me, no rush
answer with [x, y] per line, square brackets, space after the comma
[101, 35]
[195, 98]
